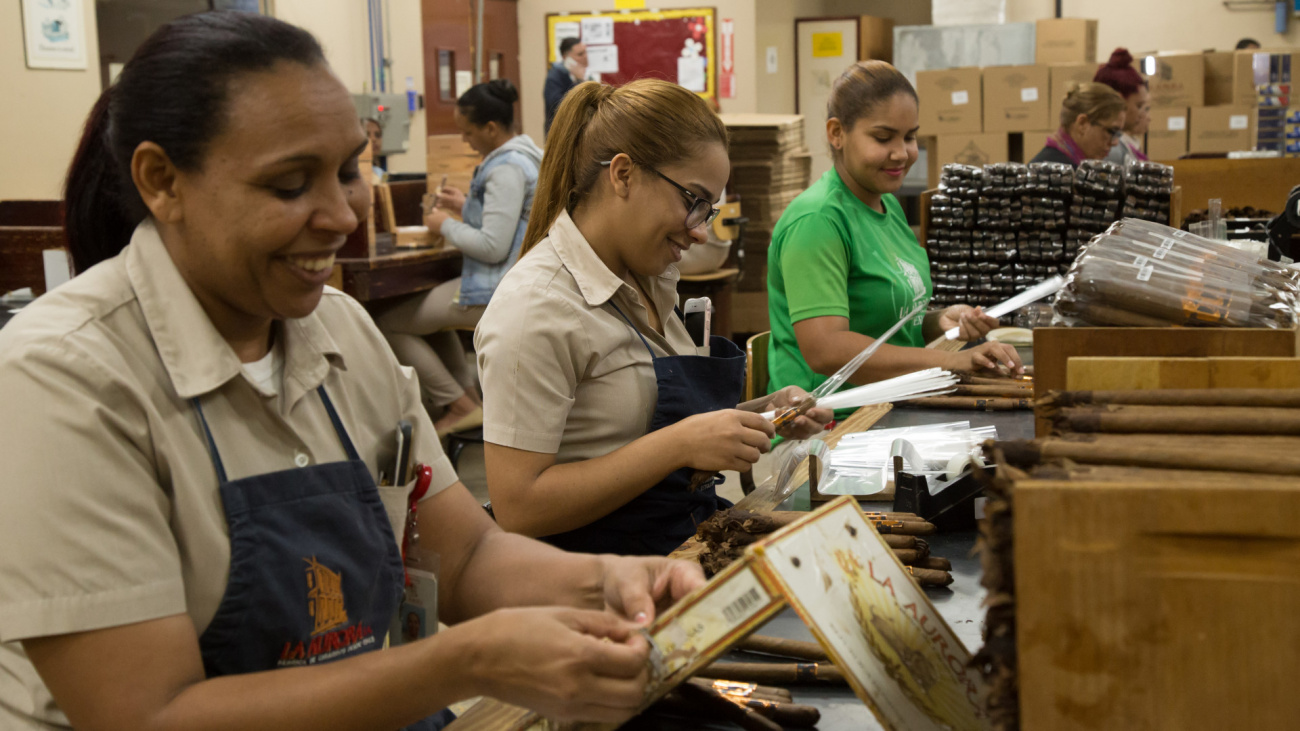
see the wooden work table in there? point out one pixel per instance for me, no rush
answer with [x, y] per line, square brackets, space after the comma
[393, 272]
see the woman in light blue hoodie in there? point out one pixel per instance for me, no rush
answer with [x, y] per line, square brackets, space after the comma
[495, 213]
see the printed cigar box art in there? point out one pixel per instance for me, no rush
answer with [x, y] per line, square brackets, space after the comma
[897, 652]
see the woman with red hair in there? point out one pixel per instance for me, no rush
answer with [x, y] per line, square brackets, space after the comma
[1119, 74]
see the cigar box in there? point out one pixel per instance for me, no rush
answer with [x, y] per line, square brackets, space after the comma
[1054, 347]
[875, 623]
[416, 237]
[1157, 605]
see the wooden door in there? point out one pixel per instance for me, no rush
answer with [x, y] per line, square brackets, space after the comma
[449, 48]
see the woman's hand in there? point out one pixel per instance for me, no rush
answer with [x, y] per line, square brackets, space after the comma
[638, 588]
[567, 664]
[807, 425]
[434, 219]
[987, 356]
[729, 439]
[450, 199]
[972, 321]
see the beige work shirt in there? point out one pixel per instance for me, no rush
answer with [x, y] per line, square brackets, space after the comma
[110, 512]
[562, 372]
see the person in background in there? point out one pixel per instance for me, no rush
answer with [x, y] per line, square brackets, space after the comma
[1118, 73]
[598, 406]
[421, 328]
[1247, 44]
[565, 74]
[1092, 121]
[844, 265]
[378, 160]
[194, 532]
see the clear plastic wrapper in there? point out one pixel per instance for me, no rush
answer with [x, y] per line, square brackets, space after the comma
[1140, 273]
[862, 464]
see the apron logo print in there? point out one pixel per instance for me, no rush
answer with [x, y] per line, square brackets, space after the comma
[325, 597]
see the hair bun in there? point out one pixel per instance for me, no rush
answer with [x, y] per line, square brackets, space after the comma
[504, 90]
[1121, 58]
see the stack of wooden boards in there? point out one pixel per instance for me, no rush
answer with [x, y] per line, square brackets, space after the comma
[1146, 553]
[451, 157]
[770, 166]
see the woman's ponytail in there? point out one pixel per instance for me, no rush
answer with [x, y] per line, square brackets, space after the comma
[557, 181]
[96, 222]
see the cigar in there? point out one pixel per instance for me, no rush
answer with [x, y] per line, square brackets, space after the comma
[972, 403]
[935, 563]
[745, 690]
[900, 527]
[899, 541]
[707, 698]
[803, 673]
[797, 649]
[785, 714]
[1011, 390]
[929, 577]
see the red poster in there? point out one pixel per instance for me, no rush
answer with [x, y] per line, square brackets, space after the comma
[727, 55]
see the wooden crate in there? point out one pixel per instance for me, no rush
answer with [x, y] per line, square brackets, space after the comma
[1055, 346]
[1157, 606]
[1122, 374]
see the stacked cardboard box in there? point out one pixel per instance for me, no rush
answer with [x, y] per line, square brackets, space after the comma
[770, 166]
[1065, 40]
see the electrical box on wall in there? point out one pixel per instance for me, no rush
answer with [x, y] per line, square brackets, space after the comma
[390, 111]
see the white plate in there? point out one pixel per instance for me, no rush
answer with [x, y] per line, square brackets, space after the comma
[1012, 335]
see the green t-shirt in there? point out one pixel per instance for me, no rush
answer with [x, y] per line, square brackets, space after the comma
[833, 255]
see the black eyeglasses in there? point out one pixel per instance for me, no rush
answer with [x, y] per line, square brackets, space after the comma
[699, 211]
[1115, 132]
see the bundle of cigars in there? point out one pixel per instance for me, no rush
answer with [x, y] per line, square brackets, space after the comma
[983, 392]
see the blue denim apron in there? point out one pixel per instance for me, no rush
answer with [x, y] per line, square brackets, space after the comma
[315, 572]
[660, 519]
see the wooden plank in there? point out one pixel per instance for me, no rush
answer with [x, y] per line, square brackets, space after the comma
[1254, 373]
[1055, 346]
[1260, 183]
[1121, 374]
[1148, 605]
[21, 262]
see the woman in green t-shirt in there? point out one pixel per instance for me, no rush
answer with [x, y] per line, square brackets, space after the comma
[844, 265]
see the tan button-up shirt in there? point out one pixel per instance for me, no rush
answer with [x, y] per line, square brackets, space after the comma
[110, 512]
[562, 372]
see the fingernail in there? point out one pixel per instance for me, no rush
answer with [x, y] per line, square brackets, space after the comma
[641, 618]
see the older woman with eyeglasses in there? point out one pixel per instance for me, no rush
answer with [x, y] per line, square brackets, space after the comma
[603, 421]
[1092, 122]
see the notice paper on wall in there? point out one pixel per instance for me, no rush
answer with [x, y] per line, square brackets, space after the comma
[464, 80]
[690, 72]
[602, 59]
[597, 31]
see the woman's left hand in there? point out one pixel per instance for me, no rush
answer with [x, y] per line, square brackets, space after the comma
[807, 425]
[972, 321]
[638, 587]
[434, 219]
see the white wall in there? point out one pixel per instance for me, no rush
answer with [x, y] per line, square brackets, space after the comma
[341, 27]
[1168, 25]
[533, 64]
[45, 110]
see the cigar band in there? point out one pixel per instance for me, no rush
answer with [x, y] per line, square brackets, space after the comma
[805, 671]
[734, 688]
[654, 662]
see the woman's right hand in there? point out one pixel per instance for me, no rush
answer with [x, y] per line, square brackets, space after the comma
[989, 356]
[450, 199]
[567, 664]
[728, 439]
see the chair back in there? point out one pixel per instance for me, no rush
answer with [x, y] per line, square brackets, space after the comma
[756, 365]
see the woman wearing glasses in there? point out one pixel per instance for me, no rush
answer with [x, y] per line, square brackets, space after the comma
[598, 409]
[1092, 121]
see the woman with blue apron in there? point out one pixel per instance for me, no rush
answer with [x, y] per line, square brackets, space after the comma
[604, 427]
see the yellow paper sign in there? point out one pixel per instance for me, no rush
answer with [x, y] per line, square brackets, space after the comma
[827, 45]
[629, 4]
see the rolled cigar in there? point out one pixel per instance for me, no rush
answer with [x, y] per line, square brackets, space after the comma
[929, 577]
[934, 562]
[968, 378]
[907, 555]
[1116, 473]
[797, 649]
[778, 673]
[897, 541]
[737, 688]
[913, 517]
[1141, 419]
[971, 403]
[1254, 455]
[1011, 390]
[1266, 397]
[899, 527]
[786, 714]
[707, 698]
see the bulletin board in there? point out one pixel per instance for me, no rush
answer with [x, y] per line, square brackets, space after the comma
[644, 43]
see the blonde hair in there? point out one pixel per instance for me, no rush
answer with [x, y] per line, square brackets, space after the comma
[655, 122]
[1094, 100]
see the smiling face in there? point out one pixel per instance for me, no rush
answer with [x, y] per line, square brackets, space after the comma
[873, 155]
[278, 191]
[655, 219]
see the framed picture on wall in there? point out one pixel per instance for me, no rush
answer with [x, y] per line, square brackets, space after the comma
[54, 32]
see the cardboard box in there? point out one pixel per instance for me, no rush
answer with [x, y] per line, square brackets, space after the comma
[1016, 98]
[1221, 129]
[1167, 134]
[1176, 80]
[876, 38]
[1218, 77]
[952, 101]
[979, 149]
[1065, 40]
[1064, 76]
